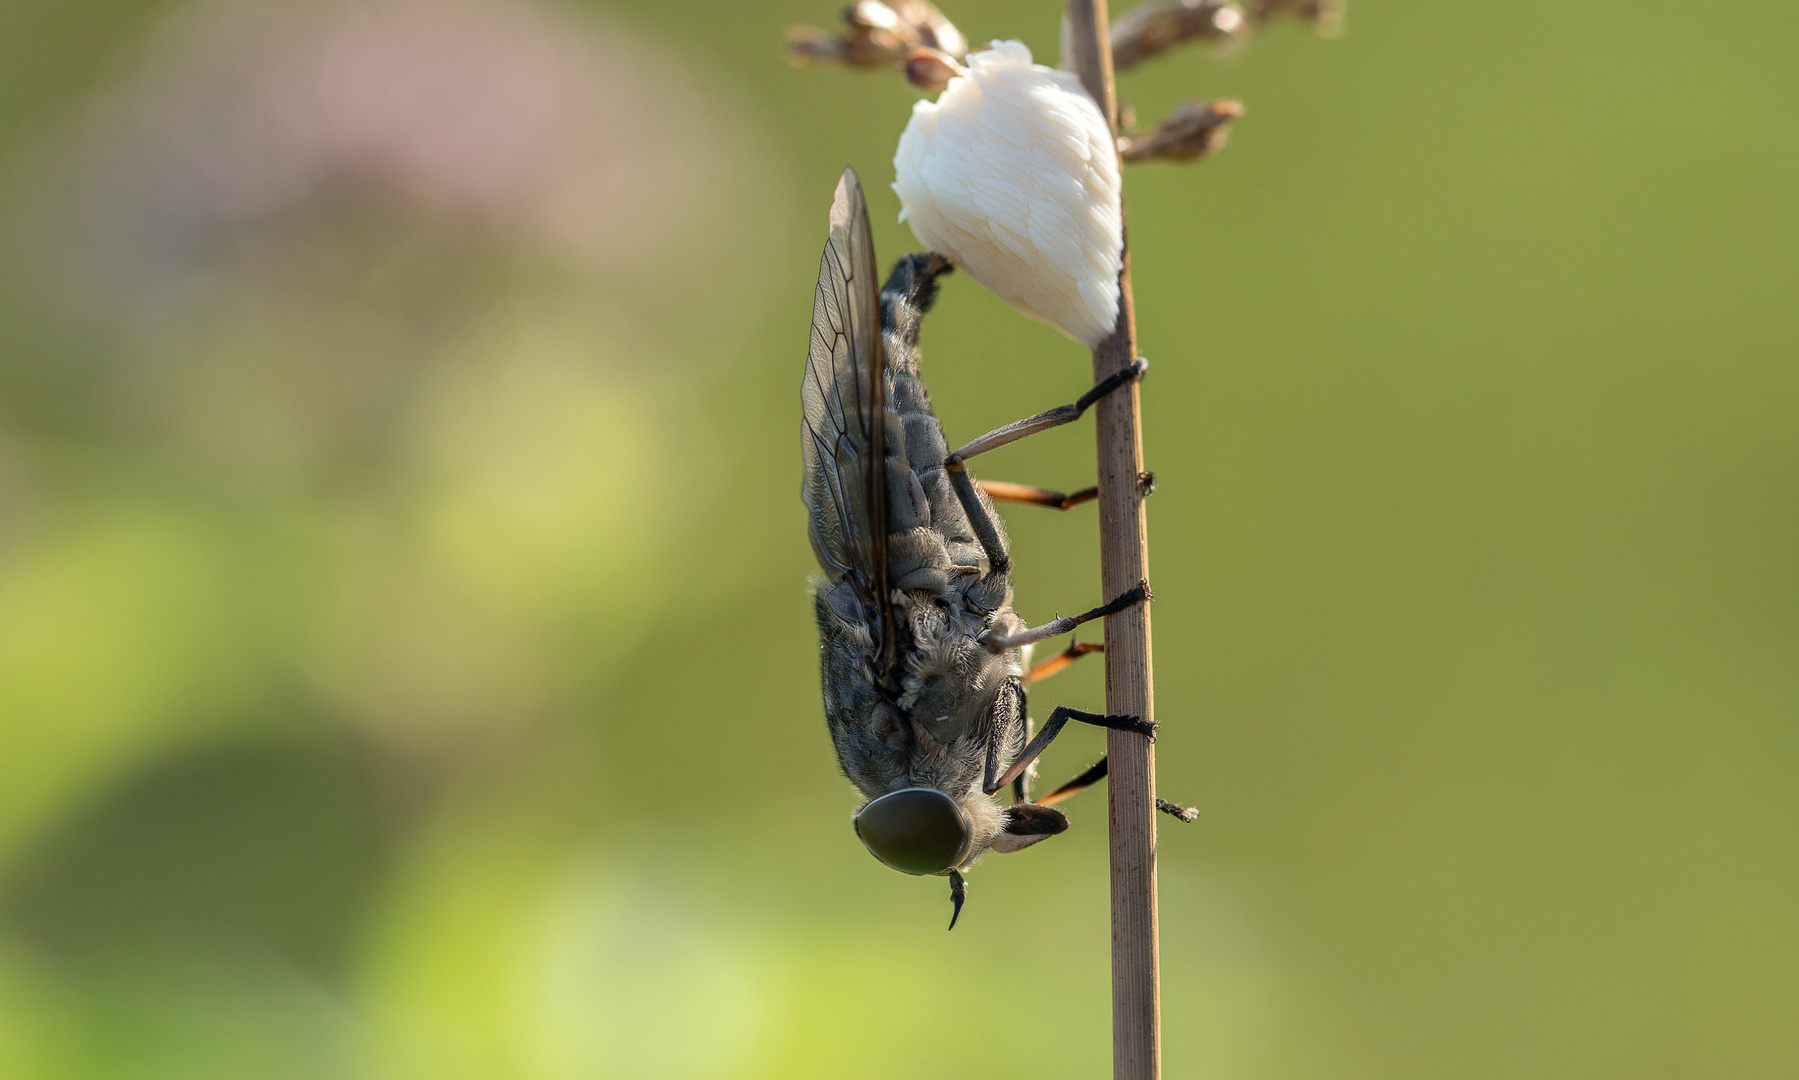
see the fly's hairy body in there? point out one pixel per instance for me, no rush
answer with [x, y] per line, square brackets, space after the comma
[923, 661]
[931, 728]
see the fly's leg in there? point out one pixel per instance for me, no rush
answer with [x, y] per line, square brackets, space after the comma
[1052, 666]
[978, 517]
[1097, 772]
[1056, 417]
[1000, 491]
[1094, 774]
[1051, 728]
[999, 643]
[1021, 787]
[1021, 784]
[1176, 811]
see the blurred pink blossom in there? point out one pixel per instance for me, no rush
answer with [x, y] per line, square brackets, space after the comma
[248, 113]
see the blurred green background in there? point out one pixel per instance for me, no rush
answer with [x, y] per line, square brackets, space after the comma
[406, 669]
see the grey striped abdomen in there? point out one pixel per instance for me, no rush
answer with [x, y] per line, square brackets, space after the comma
[922, 498]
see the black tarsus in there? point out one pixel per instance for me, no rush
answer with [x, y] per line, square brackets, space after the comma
[1035, 819]
[1180, 813]
[1130, 372]
[1058, 719]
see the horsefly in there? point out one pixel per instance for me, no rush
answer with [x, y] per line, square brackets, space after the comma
[924, 663]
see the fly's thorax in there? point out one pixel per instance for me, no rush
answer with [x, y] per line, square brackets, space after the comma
[950, 676]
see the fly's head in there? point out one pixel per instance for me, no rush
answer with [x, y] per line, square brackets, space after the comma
[917, 830]
[923, 831]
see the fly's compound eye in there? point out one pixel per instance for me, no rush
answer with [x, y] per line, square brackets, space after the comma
[915, 830]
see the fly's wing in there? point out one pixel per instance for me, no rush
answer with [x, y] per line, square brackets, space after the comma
[844, 437]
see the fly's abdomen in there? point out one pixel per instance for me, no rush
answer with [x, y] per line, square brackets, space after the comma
[915, 468]
[925, 451]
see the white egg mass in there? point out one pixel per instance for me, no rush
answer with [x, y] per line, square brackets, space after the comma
[1013, 174]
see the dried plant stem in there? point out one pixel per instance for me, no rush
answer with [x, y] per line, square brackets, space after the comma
[1124, 561]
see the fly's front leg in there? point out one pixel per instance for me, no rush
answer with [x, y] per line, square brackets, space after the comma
[1097, 772]
[998, 725]
[1094, 774]
[999, 643]
[955, 465]
[1051, 728]
[1176, 811]
[1021, 784]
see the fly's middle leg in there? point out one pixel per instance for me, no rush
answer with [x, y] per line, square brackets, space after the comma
[1056, 663]
[999, 643]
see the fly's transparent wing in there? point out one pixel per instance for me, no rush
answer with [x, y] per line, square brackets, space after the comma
[844, 436]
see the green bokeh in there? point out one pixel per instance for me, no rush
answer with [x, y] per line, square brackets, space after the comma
[406, 669]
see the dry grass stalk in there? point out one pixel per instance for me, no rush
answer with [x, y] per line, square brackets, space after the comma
[1130, 685]
[928, 50]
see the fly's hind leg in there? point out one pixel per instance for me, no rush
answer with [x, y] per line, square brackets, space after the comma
[1056, 417]
[1024, 494]
[1001, 491]
[978, 517]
